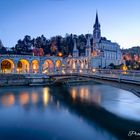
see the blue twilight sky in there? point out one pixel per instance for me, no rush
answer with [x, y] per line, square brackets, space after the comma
[119, 19]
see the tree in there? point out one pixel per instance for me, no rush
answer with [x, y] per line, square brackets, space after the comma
[2, 48]
[53, 48]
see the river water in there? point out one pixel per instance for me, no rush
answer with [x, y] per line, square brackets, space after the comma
[61, 113]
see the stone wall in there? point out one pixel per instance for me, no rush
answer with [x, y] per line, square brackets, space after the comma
[22, 80]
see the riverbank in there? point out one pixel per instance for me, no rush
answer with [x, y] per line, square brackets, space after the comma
[44, 80]
[23, 80]
[134, 88]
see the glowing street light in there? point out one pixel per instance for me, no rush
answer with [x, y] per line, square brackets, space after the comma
[60, 54]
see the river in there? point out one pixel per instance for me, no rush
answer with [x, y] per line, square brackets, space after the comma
[63, 113]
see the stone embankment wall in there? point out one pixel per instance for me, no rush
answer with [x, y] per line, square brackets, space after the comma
[22, 80]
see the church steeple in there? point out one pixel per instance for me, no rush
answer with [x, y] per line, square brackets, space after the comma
[75, 50]
[97, 24]
[96, 30]
[88, 42]
[88, 47]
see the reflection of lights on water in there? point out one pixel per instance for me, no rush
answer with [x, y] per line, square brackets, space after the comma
[34, 97]
[23, 98]
[45, 96]
[84, 93]
[8, 100]
[73, 93]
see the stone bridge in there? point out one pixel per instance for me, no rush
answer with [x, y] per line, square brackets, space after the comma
[67, 79]
[130, 77]
[27, 64]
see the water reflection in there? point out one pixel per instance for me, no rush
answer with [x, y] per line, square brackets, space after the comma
[27, 107]
[23, 98]
[8, 99]
[88, 102]
[66, 107]
[125, 103]
[46, 96]
[84, 94]
[34, 97]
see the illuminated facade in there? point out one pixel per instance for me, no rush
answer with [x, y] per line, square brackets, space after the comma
[104, 52]
[24, 64]
[99, 55]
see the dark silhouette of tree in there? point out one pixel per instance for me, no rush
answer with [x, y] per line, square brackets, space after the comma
[64, 45]
[2, 48]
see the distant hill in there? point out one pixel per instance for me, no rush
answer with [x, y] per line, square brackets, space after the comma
[132, 51]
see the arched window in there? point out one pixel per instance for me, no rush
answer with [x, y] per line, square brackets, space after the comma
[23, 66]
[58, 65]
[48, 66]
[35, 66]
[7, 66]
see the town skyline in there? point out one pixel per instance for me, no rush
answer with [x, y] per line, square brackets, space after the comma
[52, 18]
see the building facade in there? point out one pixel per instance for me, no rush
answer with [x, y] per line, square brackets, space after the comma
[102, 53]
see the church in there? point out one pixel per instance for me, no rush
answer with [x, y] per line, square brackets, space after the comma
[101, 54]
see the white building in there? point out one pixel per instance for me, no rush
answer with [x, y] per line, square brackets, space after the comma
[102, 53]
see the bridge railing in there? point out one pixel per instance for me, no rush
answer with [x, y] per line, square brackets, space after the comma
[109, 73]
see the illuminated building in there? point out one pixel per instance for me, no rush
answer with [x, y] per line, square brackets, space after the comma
[101, 54]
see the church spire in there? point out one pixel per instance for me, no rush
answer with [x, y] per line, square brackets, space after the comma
[75, 50]
[96, 30]
[97, 24]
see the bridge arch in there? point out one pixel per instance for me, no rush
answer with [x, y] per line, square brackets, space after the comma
[35, 66]
[7, 66]
[81, 63]
[23, 66]
[74, 64]
[58, 65]
[48, 66]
